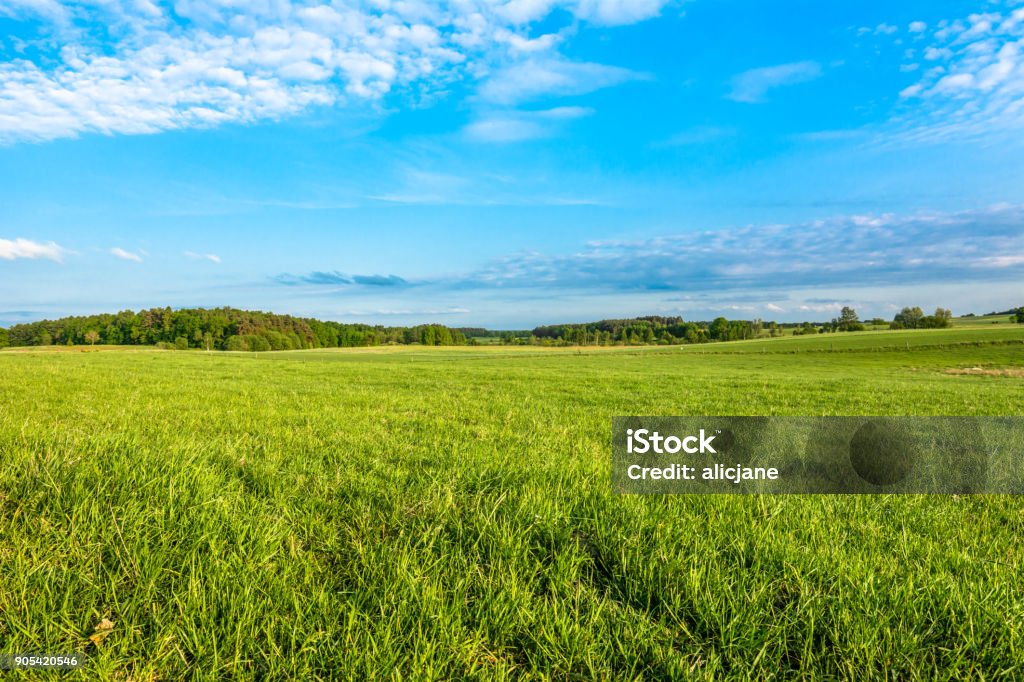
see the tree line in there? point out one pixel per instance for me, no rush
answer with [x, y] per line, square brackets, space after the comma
[653, 329]
[242, 330]
[220, 329]
[676, 331]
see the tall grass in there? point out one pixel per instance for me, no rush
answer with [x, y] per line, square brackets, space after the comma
[443, 514]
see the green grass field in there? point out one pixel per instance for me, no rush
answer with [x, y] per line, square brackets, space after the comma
[447, 514]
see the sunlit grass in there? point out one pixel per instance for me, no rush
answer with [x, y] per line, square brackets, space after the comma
[447, 514]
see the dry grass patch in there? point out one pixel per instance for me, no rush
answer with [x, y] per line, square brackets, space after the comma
[987, 372]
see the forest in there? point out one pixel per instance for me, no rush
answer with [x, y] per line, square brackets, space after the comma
[219, 329]
[241, 330]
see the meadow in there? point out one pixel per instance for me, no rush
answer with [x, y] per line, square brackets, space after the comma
[431, 513]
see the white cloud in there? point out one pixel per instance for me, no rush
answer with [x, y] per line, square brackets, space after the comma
[28, 249]
[618, 12]
[774, 308]
[536, 78]
[126, 255]
[518, 126]
[212, 257]
[135, 68]
[917, 27]
[975, 84]
[505, 129]
[885, 249]
[752, 86]
[1007, 261]
[47, 9]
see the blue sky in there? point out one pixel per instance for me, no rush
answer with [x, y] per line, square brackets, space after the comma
[511, 162]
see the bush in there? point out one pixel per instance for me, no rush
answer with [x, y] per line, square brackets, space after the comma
[278, 341]
[257, 344]
[181, 343]
[236, 343]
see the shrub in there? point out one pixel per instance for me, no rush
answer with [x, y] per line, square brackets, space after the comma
[236, 343]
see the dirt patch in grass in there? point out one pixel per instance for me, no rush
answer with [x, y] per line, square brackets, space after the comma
[987, 372]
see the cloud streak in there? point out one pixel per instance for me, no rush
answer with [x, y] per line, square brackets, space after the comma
[15, 249]
[336, 278]
[118, 252]
[212, 257]
[752, 87]
[519, 126]
[882, 250]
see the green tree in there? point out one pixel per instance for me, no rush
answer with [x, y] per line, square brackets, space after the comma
[5, 338]
[909, 318]
[92, 336]
[719, 329]
[942, 318]
[848, 320]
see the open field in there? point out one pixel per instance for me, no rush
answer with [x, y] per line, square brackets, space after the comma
[983, 320]
[424, 513]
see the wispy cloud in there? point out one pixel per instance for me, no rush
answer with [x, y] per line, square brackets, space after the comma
[752, 86]
[518, 126]
[618, 12]
[758, 264]
[425, 187]
[336, 278]
[212, 257]
[971, 78]
[881, 249]
[603, 12]
[12, 249]
[542, 77]
[118, 252]
[141, 67]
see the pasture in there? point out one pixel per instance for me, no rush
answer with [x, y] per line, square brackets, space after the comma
[421, 513]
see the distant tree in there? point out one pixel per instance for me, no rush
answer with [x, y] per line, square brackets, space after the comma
[940, 320]
[1019, 315]
[848, 321]
[5, 338]
[92, 336]
[909, 318]
[210, 329]
[719, 329]
[181, 343]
